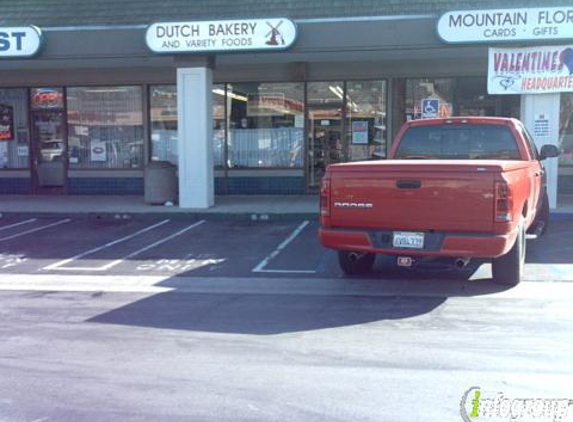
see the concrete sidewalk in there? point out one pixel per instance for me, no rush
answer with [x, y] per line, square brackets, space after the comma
[241, 207]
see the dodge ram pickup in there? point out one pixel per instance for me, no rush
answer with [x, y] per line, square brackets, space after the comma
[457, 188]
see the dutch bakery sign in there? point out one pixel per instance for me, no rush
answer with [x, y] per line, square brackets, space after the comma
[534, 70]
[221, 36]
[547, 23]
[20, 41]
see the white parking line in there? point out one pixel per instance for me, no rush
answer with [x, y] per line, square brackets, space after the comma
[131, 255]
[37, 229]
[146, 248]
[31, 220]
[260, 268]
[285, 271]
[99, 248]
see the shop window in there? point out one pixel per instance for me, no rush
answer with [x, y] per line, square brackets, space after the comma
[219, 125]
[566, 132]
[266, 125]
[472, 99]
[105, 127]
[163, 115]
[366, 119]
[14, 135]
[428, 98]
[425, 98]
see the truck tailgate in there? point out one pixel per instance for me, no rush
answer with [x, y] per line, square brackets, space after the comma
[444, 195]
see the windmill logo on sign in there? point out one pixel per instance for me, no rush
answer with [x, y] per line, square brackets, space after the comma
[275, 33]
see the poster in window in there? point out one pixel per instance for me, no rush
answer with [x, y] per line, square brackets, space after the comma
[265, 105]
[98, 152]
[23, 151]
[271, 104]
[541, 125]
[430, 108]
[6, 123]
[360, 132]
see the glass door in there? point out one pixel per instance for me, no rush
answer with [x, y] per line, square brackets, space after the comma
[49, 150]
[325, 143]
[49, 155]
[325, 129]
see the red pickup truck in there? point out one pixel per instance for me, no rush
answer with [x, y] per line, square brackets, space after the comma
[461, 188]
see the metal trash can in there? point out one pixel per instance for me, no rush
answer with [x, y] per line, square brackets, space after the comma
[160, 182]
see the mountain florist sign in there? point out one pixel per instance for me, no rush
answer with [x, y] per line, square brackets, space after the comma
[22, 41]
[221, 36]
[534, 70]
[503, 25]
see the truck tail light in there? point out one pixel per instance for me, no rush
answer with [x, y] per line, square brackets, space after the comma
[325, 197]
[503, 202]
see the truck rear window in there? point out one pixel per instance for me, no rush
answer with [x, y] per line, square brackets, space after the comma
[472, 142]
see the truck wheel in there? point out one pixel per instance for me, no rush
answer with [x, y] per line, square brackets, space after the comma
[353, 263]
[508, 269]
[543, 217]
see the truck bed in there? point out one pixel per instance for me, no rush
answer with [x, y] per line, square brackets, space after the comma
[420, 195]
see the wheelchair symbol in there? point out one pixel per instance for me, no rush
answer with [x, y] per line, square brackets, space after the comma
[430, 108]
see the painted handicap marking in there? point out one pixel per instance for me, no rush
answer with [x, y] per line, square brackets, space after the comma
[61, 265]
[181, 265]
[548, 272]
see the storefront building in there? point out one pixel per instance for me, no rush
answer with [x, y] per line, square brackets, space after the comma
[259, 100]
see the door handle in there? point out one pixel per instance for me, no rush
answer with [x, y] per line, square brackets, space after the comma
[408, 184]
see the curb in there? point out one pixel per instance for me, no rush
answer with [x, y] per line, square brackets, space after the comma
[196, 216]
[393, 288]
[178, 216]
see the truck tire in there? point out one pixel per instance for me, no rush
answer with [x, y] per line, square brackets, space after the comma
[543, 216]
[508, 269]
[353, 263]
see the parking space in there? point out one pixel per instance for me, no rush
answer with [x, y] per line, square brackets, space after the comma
[217, 249]
[257, 249]
[159, 247]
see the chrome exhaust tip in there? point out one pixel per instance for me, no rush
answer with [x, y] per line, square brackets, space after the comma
[353, 256]
[462, 263]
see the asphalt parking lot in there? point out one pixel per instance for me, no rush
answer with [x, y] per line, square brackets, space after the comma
[173, 320]
[172, 247]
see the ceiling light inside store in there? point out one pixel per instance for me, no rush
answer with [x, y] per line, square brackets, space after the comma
[234, 96]
[335, 91]
[106, 90]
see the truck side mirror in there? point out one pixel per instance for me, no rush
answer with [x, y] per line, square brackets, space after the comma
[549, 151]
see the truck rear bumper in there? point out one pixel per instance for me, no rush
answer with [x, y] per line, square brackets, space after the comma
[469, 245]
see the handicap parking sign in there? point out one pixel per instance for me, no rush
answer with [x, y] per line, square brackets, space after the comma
[430, 108]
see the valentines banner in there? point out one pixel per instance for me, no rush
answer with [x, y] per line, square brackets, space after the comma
[535, 70]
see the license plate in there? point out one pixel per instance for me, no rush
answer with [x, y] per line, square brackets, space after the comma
[408, 240]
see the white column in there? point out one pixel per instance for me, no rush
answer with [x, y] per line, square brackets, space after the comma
[194, 115]
[532, 107]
